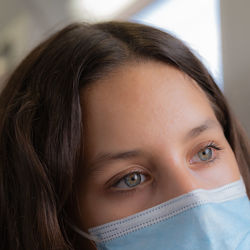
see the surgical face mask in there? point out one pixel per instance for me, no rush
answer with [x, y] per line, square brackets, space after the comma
[215, 219]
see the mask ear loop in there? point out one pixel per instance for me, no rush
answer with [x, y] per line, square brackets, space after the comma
[83, 234]
[90, 237]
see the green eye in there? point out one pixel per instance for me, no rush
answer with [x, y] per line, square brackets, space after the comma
[205, 154]
[130, 180]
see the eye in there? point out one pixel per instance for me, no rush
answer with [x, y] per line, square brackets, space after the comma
[131, 180]
[206, 154]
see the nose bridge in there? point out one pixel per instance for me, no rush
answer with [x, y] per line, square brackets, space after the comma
[177, 178]
[182, 179]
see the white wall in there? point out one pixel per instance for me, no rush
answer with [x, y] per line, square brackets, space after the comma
[25, 23]
[36, 18]
[235, 22]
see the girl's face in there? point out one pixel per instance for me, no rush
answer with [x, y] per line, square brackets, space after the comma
[150, 135]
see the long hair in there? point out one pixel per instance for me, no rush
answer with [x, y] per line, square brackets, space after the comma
[41, 123]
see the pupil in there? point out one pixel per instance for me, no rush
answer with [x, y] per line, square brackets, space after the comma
[133, 179]
[206, 154]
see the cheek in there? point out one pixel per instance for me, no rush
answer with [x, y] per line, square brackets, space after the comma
[99, 207]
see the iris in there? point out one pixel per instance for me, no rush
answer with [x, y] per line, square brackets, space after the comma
[132, 179]
[205, 154]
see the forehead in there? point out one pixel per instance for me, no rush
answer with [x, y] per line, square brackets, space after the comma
[142, 103]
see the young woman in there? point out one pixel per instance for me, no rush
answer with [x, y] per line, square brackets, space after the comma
[115, 136]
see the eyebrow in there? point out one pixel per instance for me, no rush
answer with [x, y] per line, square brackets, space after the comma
[126, 155]
[195, 132]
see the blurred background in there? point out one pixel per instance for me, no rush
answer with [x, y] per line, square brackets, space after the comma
[216, 30]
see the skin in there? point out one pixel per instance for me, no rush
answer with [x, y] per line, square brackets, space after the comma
[152, 107]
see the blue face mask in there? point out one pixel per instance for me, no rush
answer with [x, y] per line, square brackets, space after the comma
[214, 219]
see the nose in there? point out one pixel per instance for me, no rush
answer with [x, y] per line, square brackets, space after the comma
[177, 180]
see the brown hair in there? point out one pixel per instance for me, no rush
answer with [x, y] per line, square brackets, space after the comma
[41, 128]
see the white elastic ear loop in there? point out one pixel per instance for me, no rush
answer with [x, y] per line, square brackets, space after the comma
[83, 234]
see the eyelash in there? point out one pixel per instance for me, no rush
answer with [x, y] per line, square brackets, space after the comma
[131, 190]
